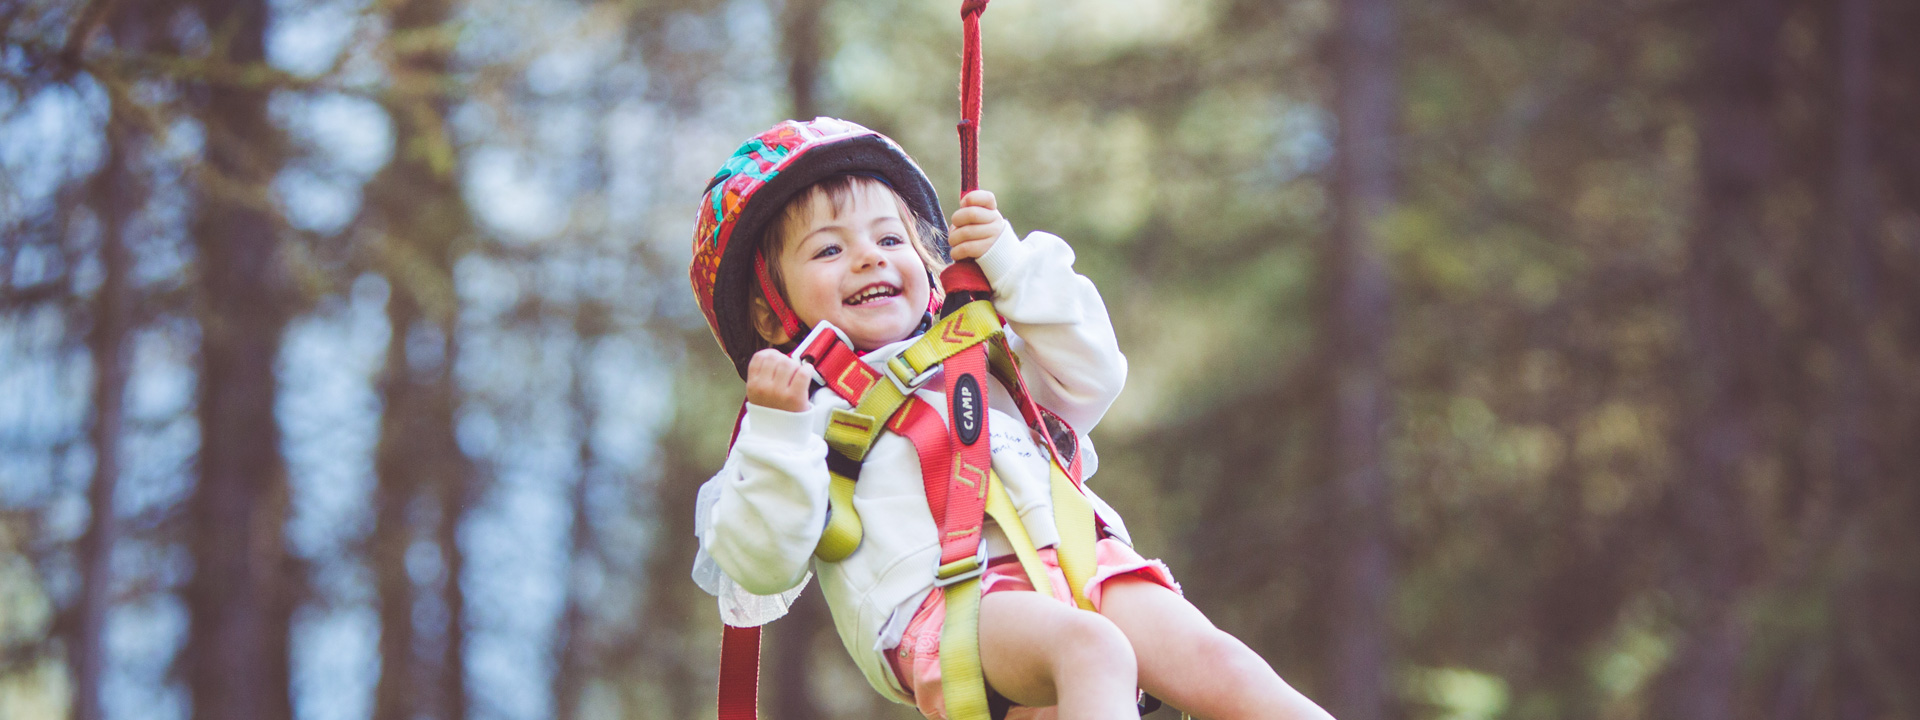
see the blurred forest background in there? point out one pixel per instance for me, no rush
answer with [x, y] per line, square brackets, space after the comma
[1491, 358]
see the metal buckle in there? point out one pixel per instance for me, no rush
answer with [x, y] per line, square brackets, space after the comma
[800, 351]
[898, 371]
[976, 569]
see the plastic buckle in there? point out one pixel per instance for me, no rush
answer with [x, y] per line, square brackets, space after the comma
[800, 351]
[903, 377]
[962, 570]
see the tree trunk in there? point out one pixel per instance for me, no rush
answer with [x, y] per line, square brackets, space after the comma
[456, 482]
[117, 196]
[1851, 301]
[1355, 327]
[665, 646]
[396, 486]
[425, 481]
[572, 659]
[240, 599]
[576, 654]
[1851, 284]
[800, 38]
[1727, 336]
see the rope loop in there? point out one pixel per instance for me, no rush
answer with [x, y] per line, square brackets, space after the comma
[972, 7]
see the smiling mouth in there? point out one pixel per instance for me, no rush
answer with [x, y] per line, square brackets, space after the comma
[871, 293]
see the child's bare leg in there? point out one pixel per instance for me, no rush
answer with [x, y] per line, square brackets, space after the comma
[1037, 652]
[1194, 666]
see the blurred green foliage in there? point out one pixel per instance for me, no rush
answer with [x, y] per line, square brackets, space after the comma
[1554, 362]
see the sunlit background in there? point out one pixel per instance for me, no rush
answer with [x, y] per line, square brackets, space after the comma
[1489, 359]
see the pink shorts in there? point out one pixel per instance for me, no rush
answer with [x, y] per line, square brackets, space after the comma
[916, 661]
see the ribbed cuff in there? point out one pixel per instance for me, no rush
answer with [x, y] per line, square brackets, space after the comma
[777, 425]
[1008, 252]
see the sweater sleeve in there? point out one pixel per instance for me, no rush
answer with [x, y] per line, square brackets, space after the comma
[1061, 331]
[772, 504]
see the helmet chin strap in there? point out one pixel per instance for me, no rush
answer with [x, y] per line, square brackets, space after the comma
[789, 323]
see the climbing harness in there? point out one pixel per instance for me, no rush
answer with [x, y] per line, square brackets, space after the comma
[967, 345]
[956, 468]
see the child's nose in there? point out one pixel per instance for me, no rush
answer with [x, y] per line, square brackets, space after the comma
[869, 255]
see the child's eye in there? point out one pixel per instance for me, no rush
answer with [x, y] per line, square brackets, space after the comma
[891, 241]
[828, 251]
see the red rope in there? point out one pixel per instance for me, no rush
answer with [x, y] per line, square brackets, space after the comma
[971, 69]
[966, 275]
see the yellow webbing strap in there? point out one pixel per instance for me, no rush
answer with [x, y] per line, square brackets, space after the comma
[843, 531]
[972, 324]
[1073, 517]
[852, 432]
[962, 680]
[1072, 513]
[1000, 508]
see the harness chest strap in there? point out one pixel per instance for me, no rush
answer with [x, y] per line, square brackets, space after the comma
[876, 398]
[851, 433]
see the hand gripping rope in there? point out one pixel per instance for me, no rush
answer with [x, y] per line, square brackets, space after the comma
[963, 280]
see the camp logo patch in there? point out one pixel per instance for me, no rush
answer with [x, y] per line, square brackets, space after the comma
[967, 410]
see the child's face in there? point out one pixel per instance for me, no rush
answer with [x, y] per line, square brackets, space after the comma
[857, 269]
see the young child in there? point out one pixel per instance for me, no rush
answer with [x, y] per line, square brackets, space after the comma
[826, 221]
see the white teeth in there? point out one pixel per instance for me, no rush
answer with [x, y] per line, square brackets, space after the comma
[873, 294]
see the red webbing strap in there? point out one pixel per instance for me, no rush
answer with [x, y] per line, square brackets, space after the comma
[840, 368]
[739, 673]
[964, 277]
[920, 424]
[966, 375]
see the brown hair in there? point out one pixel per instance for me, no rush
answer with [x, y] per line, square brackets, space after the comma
[839, 190]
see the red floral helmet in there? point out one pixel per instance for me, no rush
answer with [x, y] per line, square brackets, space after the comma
[750, 190]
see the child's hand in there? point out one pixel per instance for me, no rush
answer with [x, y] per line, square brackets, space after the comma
[777, 381]
[975, 226]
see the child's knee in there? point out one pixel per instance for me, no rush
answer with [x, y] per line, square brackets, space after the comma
[1091, 642]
